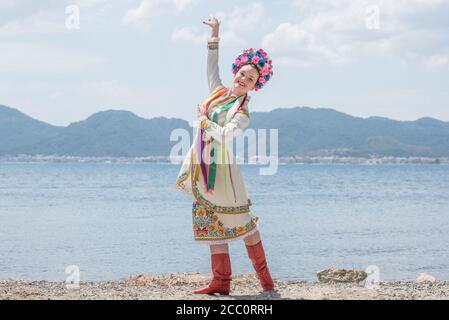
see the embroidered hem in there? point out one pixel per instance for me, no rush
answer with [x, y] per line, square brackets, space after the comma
[215, 227]
[224, 241]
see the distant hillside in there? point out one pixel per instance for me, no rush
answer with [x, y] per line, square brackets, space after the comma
[302, 131]
[307, 131]
[18, 129]
[110, 133]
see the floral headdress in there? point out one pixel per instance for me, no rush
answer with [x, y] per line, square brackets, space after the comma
[258, 59]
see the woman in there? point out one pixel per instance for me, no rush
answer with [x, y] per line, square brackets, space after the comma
[221, 207]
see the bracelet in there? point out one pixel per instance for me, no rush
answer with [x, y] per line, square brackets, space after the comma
[212, 45]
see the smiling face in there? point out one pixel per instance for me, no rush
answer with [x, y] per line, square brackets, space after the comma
[245, 79]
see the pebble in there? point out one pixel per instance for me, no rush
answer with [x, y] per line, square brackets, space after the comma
[181, 285]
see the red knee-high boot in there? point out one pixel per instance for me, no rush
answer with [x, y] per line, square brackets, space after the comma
[257, 255]
[221, 270]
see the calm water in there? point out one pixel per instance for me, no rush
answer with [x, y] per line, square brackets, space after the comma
[116, 220]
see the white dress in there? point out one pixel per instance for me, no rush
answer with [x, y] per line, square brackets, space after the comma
[224, 214]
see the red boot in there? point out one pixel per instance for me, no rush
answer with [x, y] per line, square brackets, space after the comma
[221, 281]
[257, 255]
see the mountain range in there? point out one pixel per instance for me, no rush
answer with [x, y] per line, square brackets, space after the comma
[303, 131]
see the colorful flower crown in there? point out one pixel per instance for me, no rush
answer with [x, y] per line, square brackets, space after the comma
[258, 59]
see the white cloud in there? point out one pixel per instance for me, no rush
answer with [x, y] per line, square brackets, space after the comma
[181, 5]
[243, 18]
[35, 23]
[438, 60]
[145, 10]
[291, 41]
[42, 58]
[49, 17]
[151, 8]
[189, 34]
[5, 4]
[231, 37]
[338, 31]
[89, 3]
[193, 35]
[239, 21]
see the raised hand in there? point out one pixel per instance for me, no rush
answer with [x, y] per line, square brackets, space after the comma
[214, 23]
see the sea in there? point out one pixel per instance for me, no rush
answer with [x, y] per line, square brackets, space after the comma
[108, 221]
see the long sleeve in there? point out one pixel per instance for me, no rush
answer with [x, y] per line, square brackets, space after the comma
[240, 120]
[213, 74]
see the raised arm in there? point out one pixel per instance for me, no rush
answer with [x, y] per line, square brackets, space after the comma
[213, 73]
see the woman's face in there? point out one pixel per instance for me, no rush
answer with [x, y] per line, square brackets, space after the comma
[245, 79]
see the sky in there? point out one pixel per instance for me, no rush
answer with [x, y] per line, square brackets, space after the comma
[61, 61]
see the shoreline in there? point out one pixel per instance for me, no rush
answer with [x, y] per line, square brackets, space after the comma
[179, 286]
[294, 160]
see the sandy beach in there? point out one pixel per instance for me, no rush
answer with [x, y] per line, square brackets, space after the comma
[244, 287]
